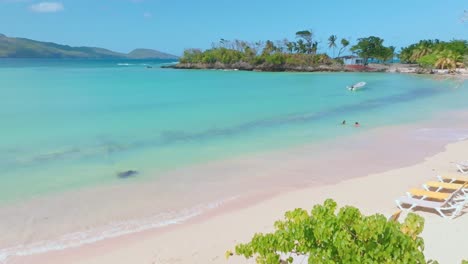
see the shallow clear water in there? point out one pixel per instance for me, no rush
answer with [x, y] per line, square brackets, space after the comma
[73, 124]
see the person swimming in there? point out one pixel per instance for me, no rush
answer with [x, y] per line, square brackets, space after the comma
[356, 124]
[344, 122]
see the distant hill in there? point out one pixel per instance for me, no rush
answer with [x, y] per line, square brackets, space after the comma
[27, 48]
[149, 54]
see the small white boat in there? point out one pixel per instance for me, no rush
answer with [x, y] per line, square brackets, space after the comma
[356, 86]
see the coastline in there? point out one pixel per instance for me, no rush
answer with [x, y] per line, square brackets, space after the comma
[242, 66]
[211, 139]
[238, 220]
[461, 73]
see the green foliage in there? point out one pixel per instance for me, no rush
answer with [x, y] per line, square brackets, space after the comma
[306, 44]
[276, 59]
[372, 47]
[344, 43]
[210, 56]
[270, 56]
[459, 47]
[385, 53]
[269, 48]
[448, 59]
[300, 59]
[332, 43]
[322, 59]
[192, 56]
[344, 237]
[27, 48]
[303, 52]
[427, 61]
[449, 54]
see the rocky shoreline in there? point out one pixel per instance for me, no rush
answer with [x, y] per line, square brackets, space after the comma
[242, 66]
[392, 68]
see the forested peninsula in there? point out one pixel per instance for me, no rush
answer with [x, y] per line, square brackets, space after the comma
[303, 55]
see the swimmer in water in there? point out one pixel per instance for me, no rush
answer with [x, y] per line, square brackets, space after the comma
[356, 124]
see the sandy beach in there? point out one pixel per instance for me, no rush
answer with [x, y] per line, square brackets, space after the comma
[387, 170]
[172, 134]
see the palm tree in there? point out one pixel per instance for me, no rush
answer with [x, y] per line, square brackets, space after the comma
[314, 48]
[269, 48]
[332, 43]
[344, 44]
[421, 50]
[306, 36]
[300, 46]
[447, 59]
[290, 46]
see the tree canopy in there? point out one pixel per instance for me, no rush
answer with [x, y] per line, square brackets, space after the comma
[344, 44]
[436, 54]
[302, 52]
[332, 43]
[327, 236]
[372, 48]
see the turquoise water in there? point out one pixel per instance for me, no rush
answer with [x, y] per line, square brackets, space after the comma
[75, 124]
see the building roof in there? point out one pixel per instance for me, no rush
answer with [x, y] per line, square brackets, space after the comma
[348, 57]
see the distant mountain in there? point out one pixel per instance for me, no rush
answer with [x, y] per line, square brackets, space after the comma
[27, 48]
[149, 54]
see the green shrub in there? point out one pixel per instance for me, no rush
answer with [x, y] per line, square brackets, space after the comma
[258, 60]
[275, 59]
[343, 237]
[191, 56]
[300, 59]
[322, 59]
[208, 57]
[428, 61]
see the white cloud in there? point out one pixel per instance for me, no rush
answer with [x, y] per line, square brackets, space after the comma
[47, 7]
[147, 15]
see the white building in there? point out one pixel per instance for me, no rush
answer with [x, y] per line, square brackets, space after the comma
[352, 60]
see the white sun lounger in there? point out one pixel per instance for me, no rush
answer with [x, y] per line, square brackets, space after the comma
[447, 209]
[441, 185]
[462, 166]
[453, 178]
[451, 203]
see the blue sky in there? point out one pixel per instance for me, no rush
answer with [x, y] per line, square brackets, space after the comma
[173, 25]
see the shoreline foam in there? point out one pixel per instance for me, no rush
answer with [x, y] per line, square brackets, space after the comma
[112, 230]
[206, 240]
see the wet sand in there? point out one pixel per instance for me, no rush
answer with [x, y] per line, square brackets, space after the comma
[368, 170]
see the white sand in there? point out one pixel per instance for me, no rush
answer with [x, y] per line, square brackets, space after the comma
[206, 240]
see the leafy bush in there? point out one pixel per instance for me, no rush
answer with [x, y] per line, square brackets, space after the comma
[300, 59]
[322, 59]
[279, 54]
[414, 52]
[275, 59]
[427, 61]
[192, 56]
[344, 237]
